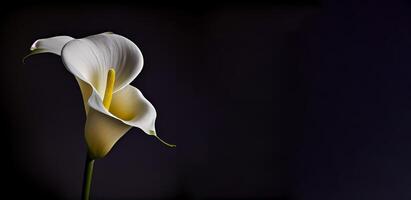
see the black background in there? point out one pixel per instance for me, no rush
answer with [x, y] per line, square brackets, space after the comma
[284, 100]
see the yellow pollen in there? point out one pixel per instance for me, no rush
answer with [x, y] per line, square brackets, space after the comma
[108, 94]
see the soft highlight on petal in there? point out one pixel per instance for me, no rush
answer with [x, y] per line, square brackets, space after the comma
[90, 58]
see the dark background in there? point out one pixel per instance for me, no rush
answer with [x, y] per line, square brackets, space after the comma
[287, 100]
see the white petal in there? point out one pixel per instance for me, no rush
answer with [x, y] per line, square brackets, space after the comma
[90, 58]
[129, 107]
[50, 45]
[134, 109]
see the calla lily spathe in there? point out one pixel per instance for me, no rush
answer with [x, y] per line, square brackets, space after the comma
[91, 60]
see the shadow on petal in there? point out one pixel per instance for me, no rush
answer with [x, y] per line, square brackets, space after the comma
[102, 132]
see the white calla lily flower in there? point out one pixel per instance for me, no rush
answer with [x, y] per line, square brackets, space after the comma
[104, 65]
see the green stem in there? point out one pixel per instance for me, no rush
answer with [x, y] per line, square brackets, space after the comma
[88, 174]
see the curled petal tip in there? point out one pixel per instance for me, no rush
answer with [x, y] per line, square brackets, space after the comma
[153, 133]
[167, 144]
[33, 52]
[24, 59]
